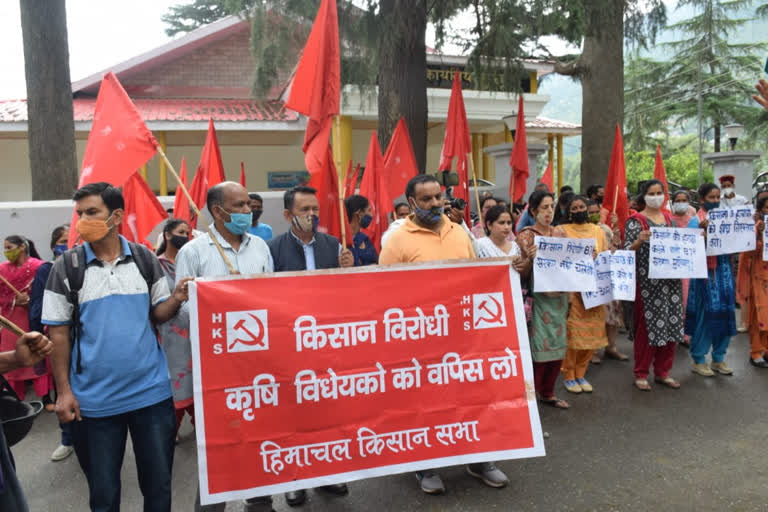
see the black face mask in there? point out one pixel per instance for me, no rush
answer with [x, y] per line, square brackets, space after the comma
[580, 217]
[599, 199]
[256, 215]
[178, 241]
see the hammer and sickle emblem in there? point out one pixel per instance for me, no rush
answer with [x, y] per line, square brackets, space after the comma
[253, 339]
[495, 317]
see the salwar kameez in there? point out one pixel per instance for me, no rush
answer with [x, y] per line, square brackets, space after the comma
[658, 308]
[547, 328]
[752, 288]
[710, 320]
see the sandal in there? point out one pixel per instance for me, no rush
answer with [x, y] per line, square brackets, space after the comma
[596, 359]
[612, 353]
[555, 402]
[642, 385]
[668, 381]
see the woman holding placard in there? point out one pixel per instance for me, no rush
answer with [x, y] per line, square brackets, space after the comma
[682, 213]
[586, 327]
[658, 318]
[752, 291]
[709, 319]
[547, 327]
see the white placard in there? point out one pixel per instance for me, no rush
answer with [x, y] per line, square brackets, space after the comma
[765, 237]
[731, 230]
[615, 275]
[564, 265]
[677, 253]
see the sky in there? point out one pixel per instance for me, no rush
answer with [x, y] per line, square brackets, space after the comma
[102, 34]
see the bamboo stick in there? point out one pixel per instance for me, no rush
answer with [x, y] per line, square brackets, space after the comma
[15, 329]
[8, 283]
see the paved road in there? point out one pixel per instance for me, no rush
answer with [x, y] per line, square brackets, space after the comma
[700, 448]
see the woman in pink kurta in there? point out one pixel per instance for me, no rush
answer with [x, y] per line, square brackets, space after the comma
[19, 269]
[682, 213]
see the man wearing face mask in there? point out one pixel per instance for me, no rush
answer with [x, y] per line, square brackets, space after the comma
[303, 247]
[729, 196]
[430, 235]
[263, 231]
[111, 375]
[360, 216]
[229, 205]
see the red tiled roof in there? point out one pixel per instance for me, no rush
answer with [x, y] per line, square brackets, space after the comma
[195, 109]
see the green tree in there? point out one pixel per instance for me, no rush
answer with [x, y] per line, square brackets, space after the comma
[188, 17]
[705, 62]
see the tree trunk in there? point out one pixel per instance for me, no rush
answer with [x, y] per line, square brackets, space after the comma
[51, 127]
[602, 86]
[402, 75]
[717, 136]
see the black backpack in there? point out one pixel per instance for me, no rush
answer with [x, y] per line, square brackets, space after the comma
[74, 266]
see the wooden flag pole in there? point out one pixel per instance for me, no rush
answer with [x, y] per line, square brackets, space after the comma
[477, 194]
[196, 209]
[15, 329]
[342, 213]
[8, 283]
[615, 198]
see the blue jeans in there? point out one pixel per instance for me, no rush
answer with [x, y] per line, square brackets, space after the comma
[66, 433]
[100, 446]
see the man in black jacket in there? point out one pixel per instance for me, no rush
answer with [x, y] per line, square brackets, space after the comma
[303, 248]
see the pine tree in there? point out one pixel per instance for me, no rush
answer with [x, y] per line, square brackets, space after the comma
[705, 61]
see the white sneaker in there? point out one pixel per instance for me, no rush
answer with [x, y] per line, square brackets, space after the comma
[61, 453]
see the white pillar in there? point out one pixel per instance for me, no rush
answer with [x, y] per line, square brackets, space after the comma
[500, 154]
[741, 164]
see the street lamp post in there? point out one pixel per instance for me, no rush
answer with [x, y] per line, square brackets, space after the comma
[733, 132]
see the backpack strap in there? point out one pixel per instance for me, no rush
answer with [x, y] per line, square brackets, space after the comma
[74, 267]
[144, 260]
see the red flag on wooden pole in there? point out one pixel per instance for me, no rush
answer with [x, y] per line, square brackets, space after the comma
[181, 208]
[457, 143]
[518, 160]
[143, 212]
[210, 171]
[399, 161]
[316, 93]
[547, 178]
[119, 142]
[373, 188]
[242, 175]
[616, 184]
[661, 174]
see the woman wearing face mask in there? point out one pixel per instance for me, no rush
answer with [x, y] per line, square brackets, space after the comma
[658, 318]
[360, 216]
[612, 309]
[682, 213]
[561, 210]
[549, 311]
[173, 333]
[586, 327]
[19, 270]
[752, 291]
[709, 319]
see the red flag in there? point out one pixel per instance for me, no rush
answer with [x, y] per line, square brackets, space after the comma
[372, 187]
[518, 160]
[119, 142]
[616, 186]
[242, 175]
[399, 161]
[457, 143]
[661, 174]
[316, 92]
[351, 181]
[210, 172]
[143, 212]
[547, 178]
[181, 208]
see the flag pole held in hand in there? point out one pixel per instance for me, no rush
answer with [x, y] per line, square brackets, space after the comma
[196, 209]
[15, 329]
[8, 283]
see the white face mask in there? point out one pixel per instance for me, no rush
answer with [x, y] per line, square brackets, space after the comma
[654, 201]
[727, 191]
[679, 208]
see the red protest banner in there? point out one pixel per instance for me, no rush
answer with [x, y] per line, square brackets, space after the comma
[302, 380]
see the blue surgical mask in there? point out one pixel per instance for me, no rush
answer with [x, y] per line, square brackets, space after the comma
[711, 206]
[59, 249]
[366, 220]
[428, 217]
[239, 223]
